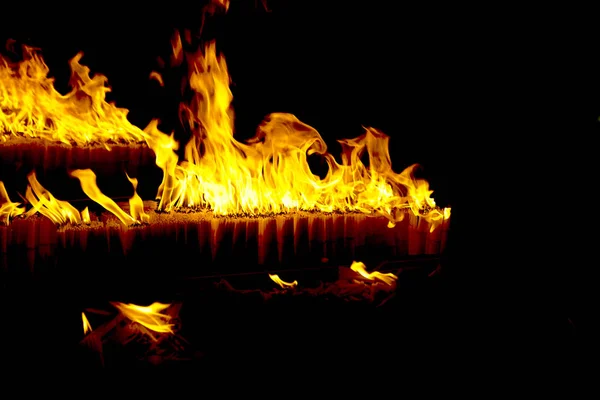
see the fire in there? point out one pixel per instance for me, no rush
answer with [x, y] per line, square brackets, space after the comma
[58, 211]
[358, 266]
[275, 278]
[31, 107]
[150, 316]
[8, 209]
[87, 178]
[86, 324]
[270, 172]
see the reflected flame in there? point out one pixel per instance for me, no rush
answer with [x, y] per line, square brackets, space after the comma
[270, 172]
[87, 178]
[360, 267]
[58, 211]
[275, 278]
[8, 209]
[30, 106]
[86, 324]
[150, 316]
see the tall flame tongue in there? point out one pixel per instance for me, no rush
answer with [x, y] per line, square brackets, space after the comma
[8, 209]
[270, 172]
[58, 211]
[87, 179]
[30, 105]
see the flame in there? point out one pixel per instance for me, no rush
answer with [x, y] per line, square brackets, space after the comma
[8, 209]
[275, 278]
[85, 216]
[150, 316]
[58, 211]
[87, 178]
[270, 173]
[157, 77]
[86, 324]
[30, 106]
[136, 204]
[358, 266]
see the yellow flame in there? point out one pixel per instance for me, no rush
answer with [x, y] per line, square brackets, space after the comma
[87, 179]
[8, 209]
[136, 204]
[42, 201]
[270, 172]
[358, 266]
[30, 105]
[275, 278]
[447, 212]
[86, 324]
[150, 316]
[85, 216]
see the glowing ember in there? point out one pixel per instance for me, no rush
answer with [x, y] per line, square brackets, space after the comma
[151, 317]
[30, 106]
[270, 172]
[358, 266]
[8, 209]
[275, 278]
[86, 324]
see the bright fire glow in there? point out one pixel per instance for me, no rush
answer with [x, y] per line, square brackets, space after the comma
[150, 316]
[358, 266]
[30, 106]
[8, 209]
[275, 278]
[86, 324]
[270, 172]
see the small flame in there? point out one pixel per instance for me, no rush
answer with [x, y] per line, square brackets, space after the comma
[447, 212]
[275, 278]
[8, 209]
[136, 204]
[30, 105]
[157, 77]
[270, 172]
[360, 267]
[86, 324]
[150, 316]
[87, 178]
[58, 211]
[85, 216]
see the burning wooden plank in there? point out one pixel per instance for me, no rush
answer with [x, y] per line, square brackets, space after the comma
[270, 240]
[46, 156]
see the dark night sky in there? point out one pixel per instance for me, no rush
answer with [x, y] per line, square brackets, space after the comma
[406, 71]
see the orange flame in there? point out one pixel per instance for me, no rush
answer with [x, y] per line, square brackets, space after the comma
[58, 211]
[87, 178]
[150, 316]
[360, 267]
[8, 209]
[275, 278]
[270, 172]
[86, 324]
[30, 106]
